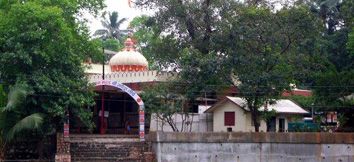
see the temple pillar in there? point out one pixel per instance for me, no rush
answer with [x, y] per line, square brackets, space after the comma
[141, 123]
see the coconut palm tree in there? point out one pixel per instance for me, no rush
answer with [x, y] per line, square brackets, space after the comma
[14, 118]
[111, 26]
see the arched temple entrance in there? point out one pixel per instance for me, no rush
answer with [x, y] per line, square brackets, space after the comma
[123, 110]
[124, 117]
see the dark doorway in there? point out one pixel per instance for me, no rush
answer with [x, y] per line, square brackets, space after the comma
[120, 113]
[272, 125]
[281, 124]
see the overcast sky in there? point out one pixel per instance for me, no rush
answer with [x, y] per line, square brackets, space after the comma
[123, 9]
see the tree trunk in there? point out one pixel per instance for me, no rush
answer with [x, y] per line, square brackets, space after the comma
[3, 148]
[268, 125]
[191, 124]
[256, 127]
[254, 119]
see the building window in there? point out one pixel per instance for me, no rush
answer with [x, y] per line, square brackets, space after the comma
[229, 119]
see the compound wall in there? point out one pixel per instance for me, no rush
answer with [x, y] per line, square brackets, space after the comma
[253, 147]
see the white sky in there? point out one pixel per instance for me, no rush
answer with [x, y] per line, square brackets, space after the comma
[123, 9]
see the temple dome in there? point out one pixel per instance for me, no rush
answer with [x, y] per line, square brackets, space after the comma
[128, 59]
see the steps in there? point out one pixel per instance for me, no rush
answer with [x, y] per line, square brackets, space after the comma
[107, 148]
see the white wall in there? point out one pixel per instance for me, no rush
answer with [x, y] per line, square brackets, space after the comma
[201, 123]
[243, 122]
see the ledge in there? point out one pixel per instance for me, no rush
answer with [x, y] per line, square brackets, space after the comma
[251, 137]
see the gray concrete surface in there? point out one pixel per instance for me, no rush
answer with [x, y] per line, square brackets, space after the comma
[201, 147]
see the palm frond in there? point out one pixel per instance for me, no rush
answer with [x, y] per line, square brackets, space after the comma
[112, 24]
[330, 3]
[31, 122]
[100, 32]
[16, 97]
[120, 22]
[106, 24]
[113, 19]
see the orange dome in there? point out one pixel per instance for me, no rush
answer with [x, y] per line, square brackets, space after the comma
[128, 59]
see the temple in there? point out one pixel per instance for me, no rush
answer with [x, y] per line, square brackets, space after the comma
[118, 107]
[118, 84]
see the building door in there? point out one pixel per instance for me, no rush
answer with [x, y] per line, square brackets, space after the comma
[139, 114]
[281, 124]
[271, 125]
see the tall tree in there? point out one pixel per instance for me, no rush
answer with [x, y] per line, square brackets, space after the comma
[182, 41]
[184, 23]
[264, 51]
[334, 84]
[146, 32]
[111, 26]
[218, 43]
[45, 44]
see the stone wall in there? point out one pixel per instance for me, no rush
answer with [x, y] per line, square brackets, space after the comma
[253, 147]
[30, 149]
[63, 149]
[108, 148]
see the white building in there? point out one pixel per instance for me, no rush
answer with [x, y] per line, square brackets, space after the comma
[231, 114]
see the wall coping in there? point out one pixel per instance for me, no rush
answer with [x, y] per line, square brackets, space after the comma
[251, 137]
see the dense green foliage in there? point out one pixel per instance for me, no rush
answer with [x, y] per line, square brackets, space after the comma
[3, 96]
[42, 47]
[306, 102]
[334, 85]
[265, 55]
[148, 37]
[214, 44]
[113, 44]
[14, 117]
[110, 44]
[351, 42]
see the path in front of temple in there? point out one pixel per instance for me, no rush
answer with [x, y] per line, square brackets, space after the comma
[107, 148]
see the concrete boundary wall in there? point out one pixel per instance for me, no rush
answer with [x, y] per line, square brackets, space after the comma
[253, 147]
[252, 137]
